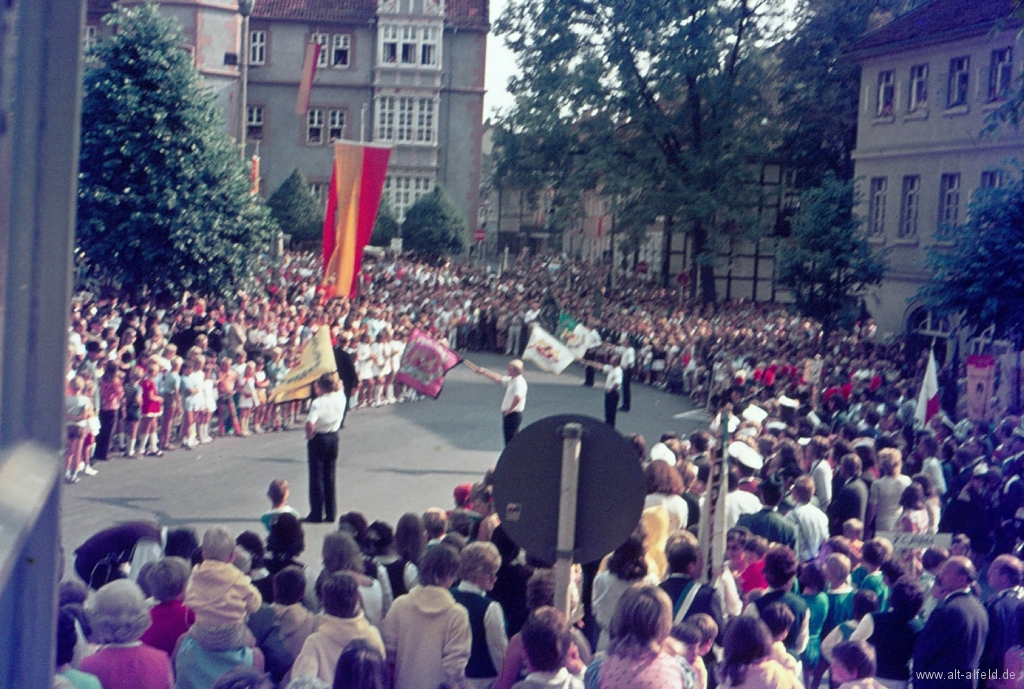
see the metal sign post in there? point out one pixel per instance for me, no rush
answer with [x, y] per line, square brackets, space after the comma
[571, 443]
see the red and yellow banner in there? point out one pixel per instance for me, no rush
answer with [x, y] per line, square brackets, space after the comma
[306, 82]
[357, 182]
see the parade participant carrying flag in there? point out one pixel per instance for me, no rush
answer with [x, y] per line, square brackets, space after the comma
[424, 364]
[928, 400]
[357, 181]
[316, 359]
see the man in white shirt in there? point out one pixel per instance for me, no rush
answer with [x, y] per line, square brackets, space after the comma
[612, 385]
[325, 416]
[628, 362]
[514, 402]
[811, 522]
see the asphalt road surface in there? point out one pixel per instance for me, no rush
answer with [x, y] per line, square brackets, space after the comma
[394, 459]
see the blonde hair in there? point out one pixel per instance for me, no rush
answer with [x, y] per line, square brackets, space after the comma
[890, 461]
[837, 568]
[479, 560]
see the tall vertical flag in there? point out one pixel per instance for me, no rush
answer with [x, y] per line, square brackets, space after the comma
[928, 399]
[254, 176]
[306, 83]
[357, 182]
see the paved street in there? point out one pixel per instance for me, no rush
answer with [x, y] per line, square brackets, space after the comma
[405, 457]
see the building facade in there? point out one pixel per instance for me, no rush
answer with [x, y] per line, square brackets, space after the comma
[403, 73]
[930, 80]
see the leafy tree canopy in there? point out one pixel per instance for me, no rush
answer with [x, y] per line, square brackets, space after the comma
[656, 104]
[385, 228]
[978, 273]
[828, 262]
[163, 198]
[434, 226]
[296, 210]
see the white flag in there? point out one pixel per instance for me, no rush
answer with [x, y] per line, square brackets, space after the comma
[581, 339]
[547, 352]
[928, 399]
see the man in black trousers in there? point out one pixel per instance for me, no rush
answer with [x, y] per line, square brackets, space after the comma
[322, 424]
[346, 370]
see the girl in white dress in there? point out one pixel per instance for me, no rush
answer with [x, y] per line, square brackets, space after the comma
[364, 365]
[385, 372]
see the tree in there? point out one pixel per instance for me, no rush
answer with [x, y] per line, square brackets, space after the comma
[163, 199]
[385, 227]
[828, 262]
[296, 210]
[818, 86]
[434, 226]
[977, 273]
[657, 104]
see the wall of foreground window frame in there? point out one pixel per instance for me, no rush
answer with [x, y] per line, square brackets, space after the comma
[40, 107]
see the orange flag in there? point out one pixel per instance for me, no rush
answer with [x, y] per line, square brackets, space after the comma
[306, 83]
[357, 182]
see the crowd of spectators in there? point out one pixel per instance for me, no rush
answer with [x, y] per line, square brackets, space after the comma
[827, 479]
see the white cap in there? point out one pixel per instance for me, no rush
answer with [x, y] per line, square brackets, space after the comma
[661, 451]
[746, 455]
[755, 413]
[788, 402]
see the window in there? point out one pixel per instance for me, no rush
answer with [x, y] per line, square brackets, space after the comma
[389, 45]
[1000, 75]
[335, 125]
[911, 203]
[385, 118]
[409, 45]
[319, 191]
[425, 121]
[991, 179]
[257, 48]
[886, 93]
[315, 127]
[406, 107]
[88, 38]
[877, 211]
[340, 50]
[254, 123]
[405, 119]
[428, 49]
[404, 191]
[959, 78]
[321, 39]
[918, 88]
[949, 203]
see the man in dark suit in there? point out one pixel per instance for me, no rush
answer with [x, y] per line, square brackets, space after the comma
[768, 523]
[346, 369]
[851, 501]
[1005, 575]
[951, 643]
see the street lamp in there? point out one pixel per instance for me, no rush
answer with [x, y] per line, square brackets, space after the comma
[245, 8]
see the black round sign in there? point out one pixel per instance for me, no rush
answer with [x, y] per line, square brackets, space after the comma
[527, 483]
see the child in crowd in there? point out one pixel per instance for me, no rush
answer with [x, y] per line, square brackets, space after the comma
[853, 530]
[869, 575]
[278, 492]
[435, 523]
[697, 634]
[342, 622]
[853, 666]
[546, 640]
[295, 622]
[865, 602]
[165, 580]
[779, 619]
[220, 595]
[812, 590]
[752, 576]
[478, 570]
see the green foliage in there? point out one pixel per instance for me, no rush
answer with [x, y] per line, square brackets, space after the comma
[818, 86]
[434, 226]
[296, 210]
[828, 262]
[385, 228]
[978, 274]
[163, 198]
[656, 104]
